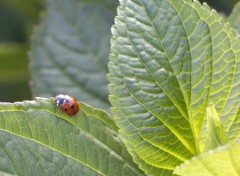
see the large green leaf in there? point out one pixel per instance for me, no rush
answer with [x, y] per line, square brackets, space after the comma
[170, 59]
[221, 161]
[36, 138]
[70, 49]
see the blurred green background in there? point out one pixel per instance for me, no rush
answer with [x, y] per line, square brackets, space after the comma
[17, 20]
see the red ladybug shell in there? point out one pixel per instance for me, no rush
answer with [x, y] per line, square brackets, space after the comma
[68, 104]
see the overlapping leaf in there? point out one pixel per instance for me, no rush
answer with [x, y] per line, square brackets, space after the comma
[169, 60]
[218, 162]
[214, 135]
[36, 138]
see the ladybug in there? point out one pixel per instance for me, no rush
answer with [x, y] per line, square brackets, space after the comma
[68, 104]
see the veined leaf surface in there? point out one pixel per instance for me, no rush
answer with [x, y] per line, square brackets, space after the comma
[170, 59]
[37, 138]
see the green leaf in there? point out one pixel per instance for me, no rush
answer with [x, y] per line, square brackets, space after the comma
[37, 138]
[214, 135]
[234, 18]
[169, 59]
[218, 162]
[70, 49]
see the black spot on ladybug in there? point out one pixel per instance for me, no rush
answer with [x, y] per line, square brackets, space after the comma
[66, 109]
[72, 106]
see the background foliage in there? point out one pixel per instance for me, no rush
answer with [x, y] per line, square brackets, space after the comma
[17, 19]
